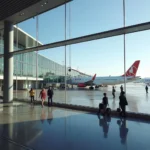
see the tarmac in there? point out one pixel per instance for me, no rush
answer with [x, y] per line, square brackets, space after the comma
[138, 100]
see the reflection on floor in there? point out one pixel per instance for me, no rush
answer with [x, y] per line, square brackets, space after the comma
[32, 127]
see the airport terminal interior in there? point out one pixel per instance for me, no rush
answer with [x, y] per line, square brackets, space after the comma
[79, 49]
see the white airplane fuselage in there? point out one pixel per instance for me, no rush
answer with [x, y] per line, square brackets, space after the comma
[77, 80]
[111, 80]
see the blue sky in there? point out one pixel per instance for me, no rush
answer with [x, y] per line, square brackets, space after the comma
[105, 56]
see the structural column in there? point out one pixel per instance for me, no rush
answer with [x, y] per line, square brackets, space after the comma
[8, 62]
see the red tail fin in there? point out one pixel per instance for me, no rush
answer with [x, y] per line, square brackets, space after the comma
[94, 77]
[133, 69]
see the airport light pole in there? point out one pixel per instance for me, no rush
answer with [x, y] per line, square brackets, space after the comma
[16, 62]
[36, 55]
[65, 54]
[124, 38]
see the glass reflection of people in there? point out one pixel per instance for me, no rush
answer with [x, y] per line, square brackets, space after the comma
[50, 115]
[104, 123]
[43, 115]
[123, 130]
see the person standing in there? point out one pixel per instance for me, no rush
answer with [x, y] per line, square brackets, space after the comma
[32, 95]
[122, 103]
[121, 88]
[43, 96]
[113, 91]
[50, 96]
[105, 102]
[146, 88]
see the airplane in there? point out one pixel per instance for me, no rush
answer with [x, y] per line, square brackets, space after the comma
[82, 81]
[110, 80]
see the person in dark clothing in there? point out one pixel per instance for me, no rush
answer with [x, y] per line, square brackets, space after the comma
[50, 94]
[121, 88]
[122, 103]
[113, 91]
[104, 104]
[146, 88]
[105, 101]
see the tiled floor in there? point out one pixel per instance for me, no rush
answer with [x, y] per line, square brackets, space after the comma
[27, 127]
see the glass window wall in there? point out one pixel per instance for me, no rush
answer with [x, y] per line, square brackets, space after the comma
[104, 57]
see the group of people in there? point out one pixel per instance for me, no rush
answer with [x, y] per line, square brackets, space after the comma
[43, 96]
[122, 102]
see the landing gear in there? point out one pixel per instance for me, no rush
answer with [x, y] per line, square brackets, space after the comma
[91, 88]
[96, 87]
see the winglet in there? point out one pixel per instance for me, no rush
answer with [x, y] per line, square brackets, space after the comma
[133, 69]
[94, 77]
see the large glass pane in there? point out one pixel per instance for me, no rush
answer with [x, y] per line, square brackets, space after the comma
[52, 25]
[137, 11]
[101, 57]
[52, 72]
[25, 34]
[88, 17]
[96, 17]
[137, 48]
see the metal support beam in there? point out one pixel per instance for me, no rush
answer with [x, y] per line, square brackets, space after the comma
[101, 35]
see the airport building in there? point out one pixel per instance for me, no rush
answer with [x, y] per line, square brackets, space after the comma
[24, 74]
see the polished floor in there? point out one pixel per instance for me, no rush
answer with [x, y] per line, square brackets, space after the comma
[138, 100]
[30, 127]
